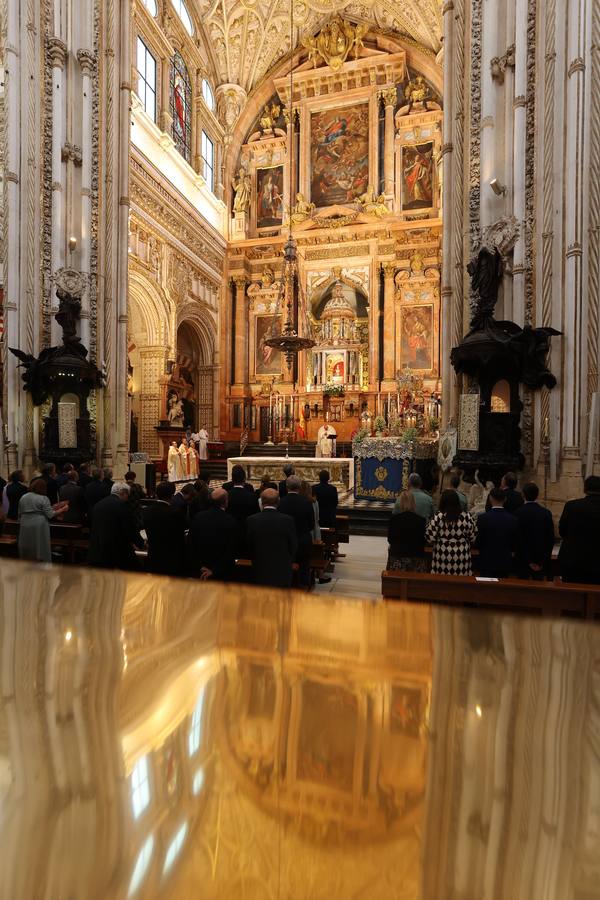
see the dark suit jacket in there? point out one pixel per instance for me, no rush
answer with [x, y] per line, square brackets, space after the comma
[302, 512]
[579, 528]
[259, 490]
[242, 504]
[84, 480]
[406, 535]
[327, 498]
[496, 541]
[513, 500]
[283, 488]
[165, 531]
[14, 492]
[272, 541]
[228, 486]
[52, 489]
[212, 543]
[72, 492]
[113, 535]
[95, 491]
[535, 537]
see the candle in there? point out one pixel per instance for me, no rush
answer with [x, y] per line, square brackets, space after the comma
[546, 427]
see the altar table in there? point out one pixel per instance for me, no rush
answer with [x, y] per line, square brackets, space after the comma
[341, 471]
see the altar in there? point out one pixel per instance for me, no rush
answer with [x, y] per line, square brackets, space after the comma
[382, 465]
[341, 471]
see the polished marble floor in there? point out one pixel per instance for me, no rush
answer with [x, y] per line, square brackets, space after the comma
[169, 740]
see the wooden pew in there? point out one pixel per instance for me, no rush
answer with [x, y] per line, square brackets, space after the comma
[342, 528]
[548, 598]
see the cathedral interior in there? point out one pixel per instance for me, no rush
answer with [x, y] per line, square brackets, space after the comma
[272, 220]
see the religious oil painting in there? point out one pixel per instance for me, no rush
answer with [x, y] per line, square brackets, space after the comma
[417, 176]
[327, 736]
[269, 197]
[268, 360]
[339, 155]
[416, 341]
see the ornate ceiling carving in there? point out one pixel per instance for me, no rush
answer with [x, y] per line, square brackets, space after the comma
[248, 36]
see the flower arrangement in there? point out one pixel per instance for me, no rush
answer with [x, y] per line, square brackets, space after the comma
[410, 434]
[379, 424]
[333, 390]
[361, 435]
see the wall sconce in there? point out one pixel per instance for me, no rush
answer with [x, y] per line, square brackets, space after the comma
[72, 244]
[498, 188]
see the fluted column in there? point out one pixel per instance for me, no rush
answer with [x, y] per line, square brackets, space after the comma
[388, 97]
[241, 333]
[57, 52]
[87, 61]
[389, 326]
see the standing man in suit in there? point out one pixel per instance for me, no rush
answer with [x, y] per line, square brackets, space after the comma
[272, 541]
[211, 540]
[165, 533]
[327, 498]
[496, 538]
[302, 512]
[535, 536]
[72, 492]
[242, 504]
[95, 491]
[579, 528]
[288, 470]
[238, 476]
[113, 532]
[14, 490]
[49, 476]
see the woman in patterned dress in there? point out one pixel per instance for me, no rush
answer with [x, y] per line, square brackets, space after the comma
[451, 532]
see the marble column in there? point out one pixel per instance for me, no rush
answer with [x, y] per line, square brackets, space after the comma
[519, 161]
[389, 98]
[448, 297]
[57, 51]
[86, 59]
[166, 120]
[389, 327]
[241, 334]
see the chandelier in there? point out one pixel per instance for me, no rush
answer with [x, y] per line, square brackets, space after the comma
[288, 341]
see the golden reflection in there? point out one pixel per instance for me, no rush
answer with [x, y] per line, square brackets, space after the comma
[260, 745]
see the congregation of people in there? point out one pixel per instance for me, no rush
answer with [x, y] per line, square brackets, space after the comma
[266, 535]
[511, 531]
[188, 531]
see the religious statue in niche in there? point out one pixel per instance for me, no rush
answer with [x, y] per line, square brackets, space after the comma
[175, 410]
[269, 117]
[242, 186]
[334, 42]
[416, 324]
[269, 197]
[268, 359]
[417, 176]
[339, 154]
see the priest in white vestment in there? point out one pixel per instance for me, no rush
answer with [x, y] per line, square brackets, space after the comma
[174, 463]
[202, 438]
[324, 444]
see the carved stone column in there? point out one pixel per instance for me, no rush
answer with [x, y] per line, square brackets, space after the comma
[166, 120]
[389, 98]
[241, 333]
[57, 54]
[389, 327]
[87, 63]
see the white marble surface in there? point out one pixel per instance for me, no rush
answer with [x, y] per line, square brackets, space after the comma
[341, 471]
[358, 574]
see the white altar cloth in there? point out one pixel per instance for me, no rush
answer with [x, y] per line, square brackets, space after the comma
[341, 471]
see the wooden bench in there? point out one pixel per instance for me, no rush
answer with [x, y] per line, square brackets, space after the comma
[548, 598]
[8, 545]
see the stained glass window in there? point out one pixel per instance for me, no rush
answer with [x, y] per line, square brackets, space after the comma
[181, 106]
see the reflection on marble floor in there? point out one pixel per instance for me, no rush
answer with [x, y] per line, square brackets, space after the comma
[165, 739]
[358, 573]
